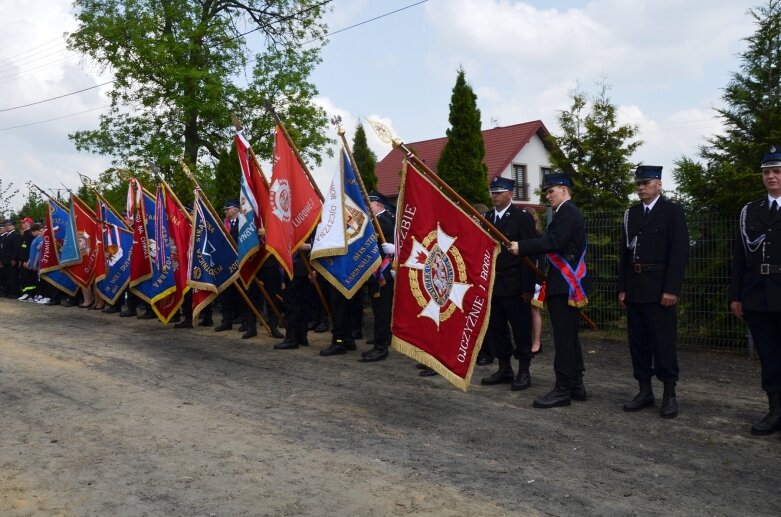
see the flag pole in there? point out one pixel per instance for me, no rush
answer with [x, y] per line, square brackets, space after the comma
[385, 135]
[340, 130]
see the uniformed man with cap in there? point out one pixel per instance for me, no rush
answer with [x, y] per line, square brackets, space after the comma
[653, 255]
[567, 286]
[380, 286]
[755, 287]
[513, 290]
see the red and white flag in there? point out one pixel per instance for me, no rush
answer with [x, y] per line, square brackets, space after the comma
[444, 280]
[90, 247]
[294, 206]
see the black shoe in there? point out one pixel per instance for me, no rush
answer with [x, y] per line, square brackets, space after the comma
[772, 421]
[377, 353]
[303, 341]
[483, 361]
[184, 324]
[242, 328]
[175, 319]
[128, 313]
[644, 398]
[427, 372]
[225, 325]
[501, 376]
[557, 397]
[148, 315]
[111, 309]
[250, 332]
[669, 401]
[370, 341]
[275, 333]
[321, 327]
[206, 322]
[522, 381]
[357, 334]
[335, 349]
[286, 345]
[350, 346]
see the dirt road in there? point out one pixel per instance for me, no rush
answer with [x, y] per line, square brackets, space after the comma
[101, 415]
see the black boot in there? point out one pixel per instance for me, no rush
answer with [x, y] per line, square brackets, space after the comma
[378, 353]
[337, 348]
[128, 313]
[250, 327]
[207, 321]
[644, 398]
[274, 331]
[186, 323]
[578, 390]
[558, 396]
[772, 421]
[669, 401]
[522, 381]
[504, 375]
[289, 343]
[227, 324]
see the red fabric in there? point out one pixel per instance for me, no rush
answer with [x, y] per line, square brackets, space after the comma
[100, 261]
[49, 247]
[179, 229]
[140, 260]
[434, 266]
[87, 229]
[294, 206]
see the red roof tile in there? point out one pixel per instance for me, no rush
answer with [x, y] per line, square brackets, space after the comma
[502, 144]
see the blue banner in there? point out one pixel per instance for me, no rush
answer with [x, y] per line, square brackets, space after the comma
[345, 249]
[70, 253]
[57, 222]
[117, 244]
[162, 282]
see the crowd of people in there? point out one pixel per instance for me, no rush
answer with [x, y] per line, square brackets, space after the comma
[653, 253]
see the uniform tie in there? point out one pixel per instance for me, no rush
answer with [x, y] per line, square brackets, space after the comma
[774, 209]
[647, 211]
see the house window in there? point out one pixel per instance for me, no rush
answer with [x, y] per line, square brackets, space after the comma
[521, 192]
[543, 172]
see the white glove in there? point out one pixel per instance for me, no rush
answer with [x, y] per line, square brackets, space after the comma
[388, 248]
[393, 272]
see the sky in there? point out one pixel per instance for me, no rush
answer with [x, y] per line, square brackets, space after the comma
[666, 63]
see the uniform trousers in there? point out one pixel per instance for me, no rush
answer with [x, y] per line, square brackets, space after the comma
[382, 306]
[766, 331]
[341, 329]
[653, 335]
[568, 362]
[512, 310]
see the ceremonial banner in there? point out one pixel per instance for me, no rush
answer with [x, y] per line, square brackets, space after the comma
[57, 219]
[160, 284]
[178, 231]
[117, 240]
[140, 257]
[254, 191]
[294, 206]
[69, 251]
[442, 293]
[345, 248]
[214, 261]
[87, 230]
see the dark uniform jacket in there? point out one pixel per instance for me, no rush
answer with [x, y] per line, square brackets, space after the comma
[10, 249]
[512, 277]
[566, 236]
[658, 246]
[388, 226]
[758, 242]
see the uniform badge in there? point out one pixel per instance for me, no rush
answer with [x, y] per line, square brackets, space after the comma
[279, 196]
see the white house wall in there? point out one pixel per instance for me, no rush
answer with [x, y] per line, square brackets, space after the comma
[534, 156]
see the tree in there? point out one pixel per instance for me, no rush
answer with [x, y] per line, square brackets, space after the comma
[365, 159]
[7, 193]
[595, 149]
[227, 183]
[35, 207]
[461, 162]
[752, 124]
[178, 69]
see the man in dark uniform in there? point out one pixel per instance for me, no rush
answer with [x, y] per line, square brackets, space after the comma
[567, 287]
[232, 303]
[381, 284]
[9, 259]
[513, 289]
[298, 296]
[653, 256]
[755, 289]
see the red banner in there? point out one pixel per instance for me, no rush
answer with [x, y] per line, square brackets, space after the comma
[294, 206]
[87, 232]
[179, 229]
[140, 258]
[258, 201]
[444, 280]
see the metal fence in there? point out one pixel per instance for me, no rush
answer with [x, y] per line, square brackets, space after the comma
[704, 319]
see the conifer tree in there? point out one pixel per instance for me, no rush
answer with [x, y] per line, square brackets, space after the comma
[461, 162]
[365, 159]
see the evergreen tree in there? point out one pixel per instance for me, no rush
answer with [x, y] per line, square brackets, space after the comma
[365, 159]
[227, 178]
[461, 162]
[596, 151]
[752, 124]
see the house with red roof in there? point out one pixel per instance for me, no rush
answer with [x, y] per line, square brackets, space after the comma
[520, 152]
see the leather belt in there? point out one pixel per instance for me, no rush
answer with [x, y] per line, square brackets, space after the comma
[646, 268]
[765, 269]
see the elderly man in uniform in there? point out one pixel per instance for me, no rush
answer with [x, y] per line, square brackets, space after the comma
[566, 288]
[755, 289]
[654, 252]
[513, 289]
